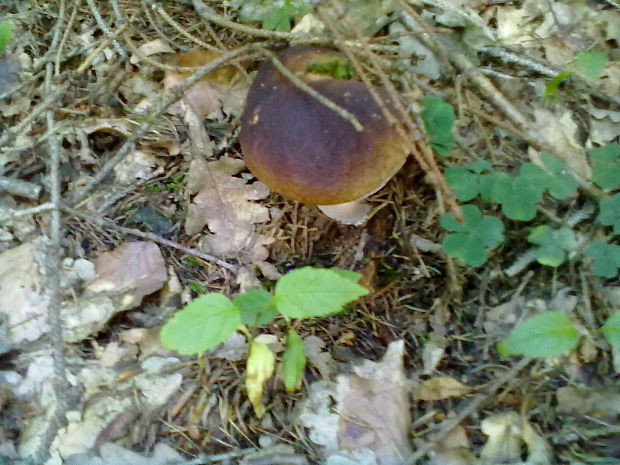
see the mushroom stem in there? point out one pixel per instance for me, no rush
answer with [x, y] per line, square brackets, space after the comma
[355, 212]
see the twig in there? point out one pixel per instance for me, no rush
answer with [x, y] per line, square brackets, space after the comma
[106, 30]
[177, 27]
[65, 36]
[13, 214]
[475, 404]
[153, 113]
[19, 187]
[52, 264]
[313, 93]
[89, 59]
[150, 236]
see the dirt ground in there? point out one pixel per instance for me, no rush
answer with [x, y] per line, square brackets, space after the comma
[124, 195]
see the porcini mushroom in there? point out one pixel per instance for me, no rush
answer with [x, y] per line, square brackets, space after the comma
[308, 152]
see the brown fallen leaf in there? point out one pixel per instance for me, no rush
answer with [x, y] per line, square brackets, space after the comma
[441, 387]
[594, 401]
[373, 404]
[129, 272]
[224, 86]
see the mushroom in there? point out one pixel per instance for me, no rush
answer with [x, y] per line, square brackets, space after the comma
[308, 152]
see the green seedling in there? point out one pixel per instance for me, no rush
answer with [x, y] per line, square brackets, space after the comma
[543, 335]
[605, 257]
[301, 294]
[554, 244]
[606, 166]
[471, 240]
[552, 333]
[6, 34]
[591, 64]
[609, 213]
[280, 19]
[438, 117]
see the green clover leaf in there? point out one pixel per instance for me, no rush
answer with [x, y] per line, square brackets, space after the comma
[518, 196]
[611, 329]
[606, 166]
[473, 237]
[606, 258]
[609, 213]
[438, 117]
[560, 183]
[592, 63]
[554, 244]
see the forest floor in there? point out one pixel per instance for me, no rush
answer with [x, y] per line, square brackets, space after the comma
[124, 196]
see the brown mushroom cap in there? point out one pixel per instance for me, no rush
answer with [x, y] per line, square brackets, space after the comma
[306, 151]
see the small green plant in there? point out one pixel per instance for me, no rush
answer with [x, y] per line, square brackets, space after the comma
[519, 196]
[552, 333]
[300, 294]
[605, 258]
[591, 64]
[606, 166]
[175, 181]
[554, 244]
[471, 239]
[335, 68]
[279, 19]
[438, 117]
[6, 33]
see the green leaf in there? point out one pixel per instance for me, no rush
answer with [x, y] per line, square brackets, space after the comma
[543, 335]
[309, 292]
[551, 89]
[473, 237]
[518, 197]
[278, 20]
[611, 329]
[606, 258]
[438, 117]
[464, 183]
[560, 183]
[609, 213]
[606, 166]
[293, 360]
[256, 306]
[259, 368]
[553, 244]
[592, 63]
[6, 33]
[201, 325]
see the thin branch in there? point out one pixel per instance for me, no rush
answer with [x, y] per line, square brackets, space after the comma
[14, 214]
[104, 27]
[26, 189]
[105, 222]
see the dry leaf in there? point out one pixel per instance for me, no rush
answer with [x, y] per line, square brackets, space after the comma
[560, 132]
[597, 402]
[319, 359]
[131, 271]
[441, 387]
[224, 86]
[452, 449]
[25, 297]
[374, 408]
[506, 433]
